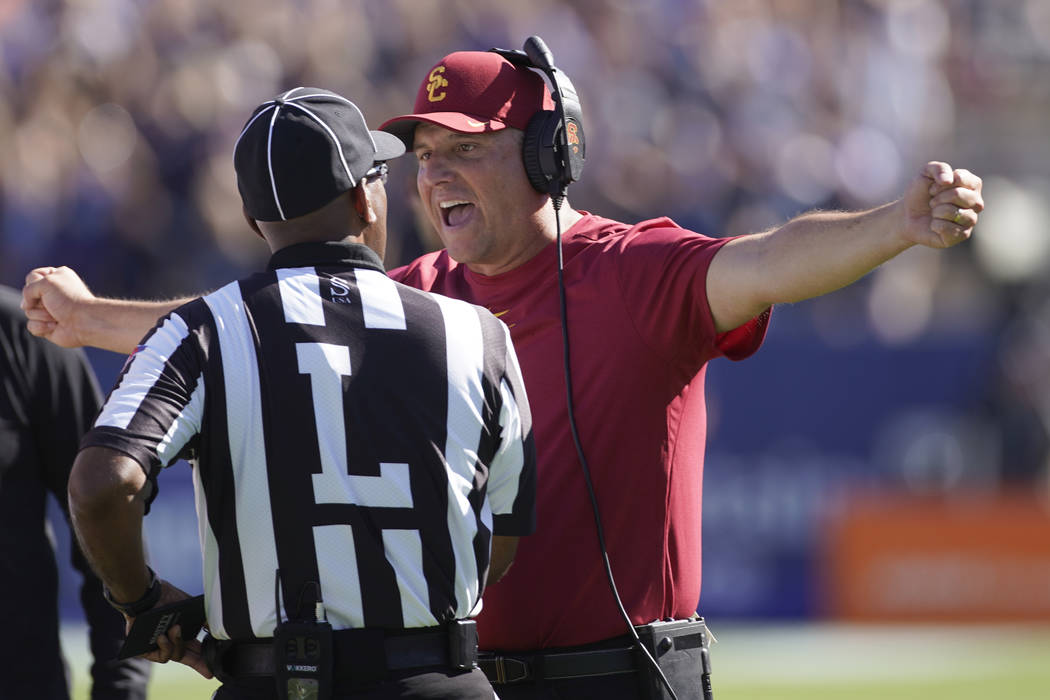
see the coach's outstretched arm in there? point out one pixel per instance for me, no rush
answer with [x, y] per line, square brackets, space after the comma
[61, 308]
[820, 252]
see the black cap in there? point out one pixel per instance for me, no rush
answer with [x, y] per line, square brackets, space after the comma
[300, 150]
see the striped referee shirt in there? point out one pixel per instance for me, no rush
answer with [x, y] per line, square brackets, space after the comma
[344, 429]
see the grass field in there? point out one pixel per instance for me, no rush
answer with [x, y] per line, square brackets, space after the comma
[812, 662]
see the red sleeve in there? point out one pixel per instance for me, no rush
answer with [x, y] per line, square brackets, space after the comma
[663, 278]
[742, 342]
[423, 272]
[399, 274]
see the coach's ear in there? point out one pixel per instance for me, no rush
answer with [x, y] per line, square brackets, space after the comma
[252, 223]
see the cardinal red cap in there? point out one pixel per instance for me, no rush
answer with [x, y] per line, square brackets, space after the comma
[473, 92]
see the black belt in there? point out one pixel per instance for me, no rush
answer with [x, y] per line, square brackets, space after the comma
[503, 668]
[357, 652]
[604, 658]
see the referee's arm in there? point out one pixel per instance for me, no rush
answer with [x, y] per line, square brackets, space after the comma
[107, 500]
[512, 486]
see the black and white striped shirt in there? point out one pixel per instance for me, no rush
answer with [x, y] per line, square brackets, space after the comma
[344, 429]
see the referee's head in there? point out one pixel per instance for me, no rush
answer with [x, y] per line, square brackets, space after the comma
[308, 168]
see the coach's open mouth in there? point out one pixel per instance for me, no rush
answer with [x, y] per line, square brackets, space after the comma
[455, 213]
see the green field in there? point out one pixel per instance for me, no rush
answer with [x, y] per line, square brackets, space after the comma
[815, 662]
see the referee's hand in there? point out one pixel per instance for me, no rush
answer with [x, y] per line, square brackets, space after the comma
[171, 646]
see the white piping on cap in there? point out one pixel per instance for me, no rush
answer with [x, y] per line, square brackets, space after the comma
[269, 162]
[263, 109]
[342, 99]
[269, 145]
[335, 139]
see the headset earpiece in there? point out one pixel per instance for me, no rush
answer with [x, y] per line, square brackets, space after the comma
[573, 142]
[538, 151]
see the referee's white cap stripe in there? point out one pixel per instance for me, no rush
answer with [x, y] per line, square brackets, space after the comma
[265, 106]
[269, 162]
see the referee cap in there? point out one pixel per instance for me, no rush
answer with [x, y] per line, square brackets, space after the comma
[474, 91]
[302, 149]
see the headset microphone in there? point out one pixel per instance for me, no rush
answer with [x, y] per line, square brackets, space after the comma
[537, 51]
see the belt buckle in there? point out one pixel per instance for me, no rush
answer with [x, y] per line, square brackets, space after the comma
[502, 663]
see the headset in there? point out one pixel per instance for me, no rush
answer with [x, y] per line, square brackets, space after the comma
[554, 147]
[553, 152]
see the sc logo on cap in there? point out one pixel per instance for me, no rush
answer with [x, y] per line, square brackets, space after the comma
[436, 82]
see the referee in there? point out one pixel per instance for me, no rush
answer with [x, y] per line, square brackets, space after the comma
[362, 451]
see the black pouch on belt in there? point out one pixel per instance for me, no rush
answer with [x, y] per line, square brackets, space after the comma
[680, 648]
[303, 660]
[462, 645]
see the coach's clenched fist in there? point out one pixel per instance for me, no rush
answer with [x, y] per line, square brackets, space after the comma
[50, 300]
[59, 306]
[941, 206]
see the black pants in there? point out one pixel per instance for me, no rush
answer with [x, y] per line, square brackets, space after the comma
[619, 687]
[31, 663]
[426, 685]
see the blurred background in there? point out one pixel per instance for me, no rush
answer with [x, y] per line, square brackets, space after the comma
[883, 459]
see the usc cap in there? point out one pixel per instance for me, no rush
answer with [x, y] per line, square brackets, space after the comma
[471, 92]
[301, 150]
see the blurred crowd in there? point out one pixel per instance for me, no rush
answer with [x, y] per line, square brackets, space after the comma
[118, 117]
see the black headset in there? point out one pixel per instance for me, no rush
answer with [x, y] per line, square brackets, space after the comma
[554, 147]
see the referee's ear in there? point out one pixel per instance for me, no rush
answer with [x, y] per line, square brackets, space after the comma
[363, 204]
[252, 223]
